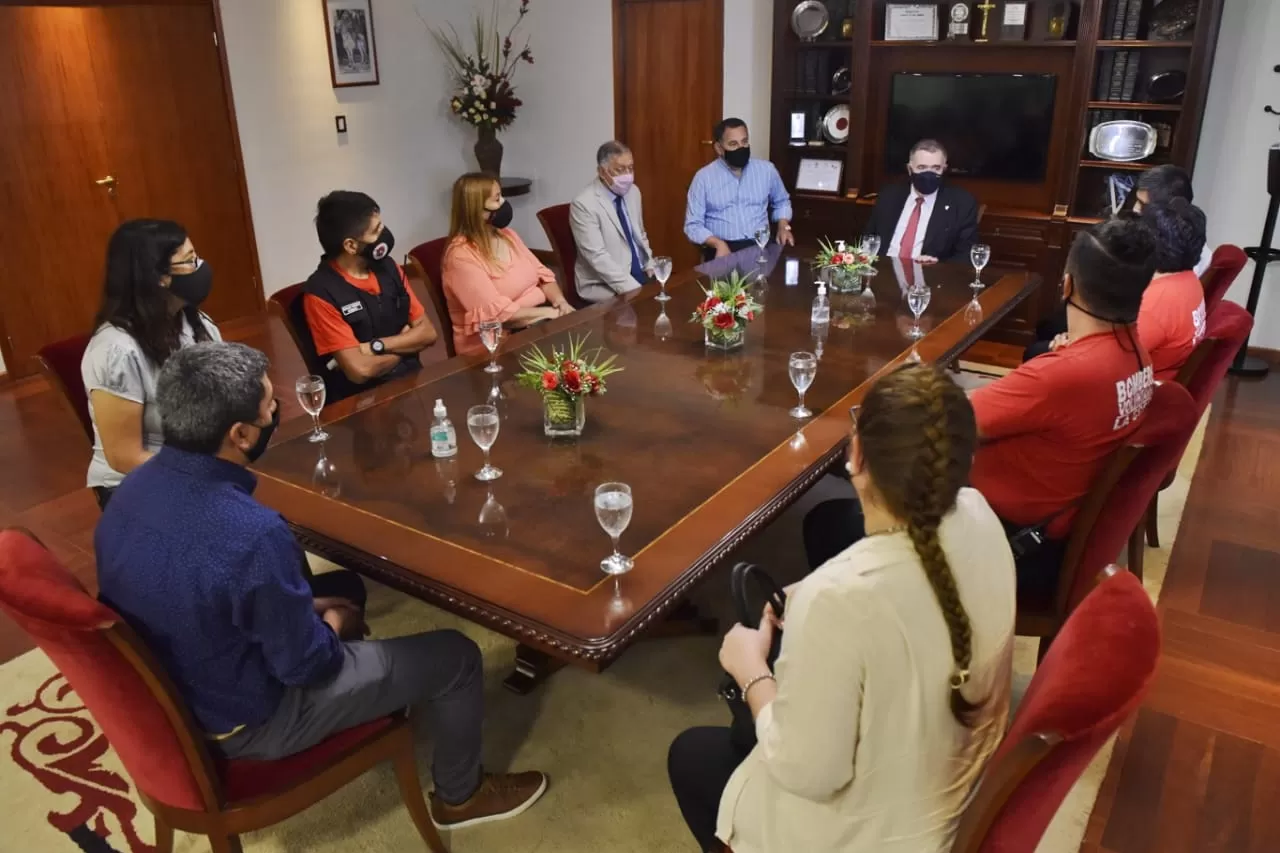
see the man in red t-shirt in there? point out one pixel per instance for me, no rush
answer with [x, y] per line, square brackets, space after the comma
[1172, 320]
[1049, 427]
[365, 321]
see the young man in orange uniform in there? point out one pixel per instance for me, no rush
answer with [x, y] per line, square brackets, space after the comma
[1172, 320]
[1048, 428]
[365, 321]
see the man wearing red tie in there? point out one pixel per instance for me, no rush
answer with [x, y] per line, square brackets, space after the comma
[925, 219]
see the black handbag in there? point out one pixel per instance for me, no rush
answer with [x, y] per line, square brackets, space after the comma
[746, 578]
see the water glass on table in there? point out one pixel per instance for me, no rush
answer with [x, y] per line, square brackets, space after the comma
[979, 254]
[483, 423]
[491, 336]
[870, 245]
[802, 366]
[762, 240]
[918, 300]
[662, 272]
[613, 510]
[310, 390]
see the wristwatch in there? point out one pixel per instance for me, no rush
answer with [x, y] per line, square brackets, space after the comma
[378, 347]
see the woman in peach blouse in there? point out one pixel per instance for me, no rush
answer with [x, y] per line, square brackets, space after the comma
[489, 273]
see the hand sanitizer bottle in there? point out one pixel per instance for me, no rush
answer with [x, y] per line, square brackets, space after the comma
[444, 440]
[821, 313]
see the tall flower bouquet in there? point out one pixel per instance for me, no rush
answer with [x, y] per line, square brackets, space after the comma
[565, 378]
[726, 311]
[845, 265]
[485, 97]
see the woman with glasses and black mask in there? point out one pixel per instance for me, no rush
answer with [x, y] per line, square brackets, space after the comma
[152, 291]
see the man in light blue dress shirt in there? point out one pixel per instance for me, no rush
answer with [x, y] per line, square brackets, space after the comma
[730, 199]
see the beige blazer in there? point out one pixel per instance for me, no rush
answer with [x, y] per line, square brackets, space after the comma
[859, 752]
[603, 269]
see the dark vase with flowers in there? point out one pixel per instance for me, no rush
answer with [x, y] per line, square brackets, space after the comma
[489, 151]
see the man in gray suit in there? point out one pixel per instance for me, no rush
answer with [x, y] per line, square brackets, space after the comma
[608, 226]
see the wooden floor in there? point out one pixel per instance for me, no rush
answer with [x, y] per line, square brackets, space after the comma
[1198, 769]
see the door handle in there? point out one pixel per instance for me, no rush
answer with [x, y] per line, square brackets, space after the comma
[707, 142]
[109, 182]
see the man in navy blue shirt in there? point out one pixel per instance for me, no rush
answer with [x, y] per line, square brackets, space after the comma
[213, 581]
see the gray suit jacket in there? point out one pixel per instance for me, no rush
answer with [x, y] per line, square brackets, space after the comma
[604, 258]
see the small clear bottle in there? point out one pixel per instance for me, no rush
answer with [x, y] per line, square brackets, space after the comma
[444, 439]
[821, 307]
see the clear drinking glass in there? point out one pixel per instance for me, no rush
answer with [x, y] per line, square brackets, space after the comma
[310, 391]
[979, 254]
[483, 423]
[918, 300]
[613, 511]
[762, 240]
[871, 246]
[491, 336]
[802, 366]
[662, 272]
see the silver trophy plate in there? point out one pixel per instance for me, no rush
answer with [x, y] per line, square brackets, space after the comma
[809, 19]
[1122, 141]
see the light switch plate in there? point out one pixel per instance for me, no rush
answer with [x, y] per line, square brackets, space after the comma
[341, 123]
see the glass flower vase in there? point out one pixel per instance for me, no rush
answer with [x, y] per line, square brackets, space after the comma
[563, 417]
[845, 280]
[724, 339]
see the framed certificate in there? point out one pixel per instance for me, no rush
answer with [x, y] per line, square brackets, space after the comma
[819, 175]
[910, 22]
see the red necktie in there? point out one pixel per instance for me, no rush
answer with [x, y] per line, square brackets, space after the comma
[913, 225]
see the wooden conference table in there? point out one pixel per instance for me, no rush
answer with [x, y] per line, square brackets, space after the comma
[704, 439]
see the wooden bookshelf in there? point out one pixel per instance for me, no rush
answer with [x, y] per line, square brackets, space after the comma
[1027, 224]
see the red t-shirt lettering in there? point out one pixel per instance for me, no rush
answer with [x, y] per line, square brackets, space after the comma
[1172, 321]
[1049, 427]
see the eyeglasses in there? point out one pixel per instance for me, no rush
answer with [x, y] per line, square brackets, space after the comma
[615, 171]
[193, 261]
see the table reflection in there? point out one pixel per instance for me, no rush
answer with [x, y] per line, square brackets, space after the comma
[493, 517]
[325, 477]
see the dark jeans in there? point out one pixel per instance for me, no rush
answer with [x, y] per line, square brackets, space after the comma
[1046, 330]
[709, 254]
[834, 525]
[440, 673]
[103, 495]
[699, 764]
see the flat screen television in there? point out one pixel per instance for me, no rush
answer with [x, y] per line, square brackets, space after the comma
[994, 126]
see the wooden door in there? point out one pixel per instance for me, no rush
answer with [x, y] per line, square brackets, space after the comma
[159, 76]
[54, 221]
[668, 92]
[131, 91]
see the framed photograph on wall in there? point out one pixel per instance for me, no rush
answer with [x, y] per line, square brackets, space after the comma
[353, 58]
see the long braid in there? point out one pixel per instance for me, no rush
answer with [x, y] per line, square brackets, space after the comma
[940, 450]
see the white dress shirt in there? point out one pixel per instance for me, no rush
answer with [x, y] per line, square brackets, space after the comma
[900, 231]
[859, 752]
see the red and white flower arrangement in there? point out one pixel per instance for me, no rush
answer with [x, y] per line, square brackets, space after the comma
[486, 96]
[840, 257]
[727, 308]
[565, 376]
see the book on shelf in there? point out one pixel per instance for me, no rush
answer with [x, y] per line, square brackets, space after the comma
[1131, 75]
[1116, 86]
[1103, 84]
[1133, 20]
[1115, 22]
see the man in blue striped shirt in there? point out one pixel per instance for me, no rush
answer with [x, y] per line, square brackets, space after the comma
[730, 199]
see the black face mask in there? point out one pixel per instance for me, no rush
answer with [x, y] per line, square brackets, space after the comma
[380, 248]
[192, 287]
[501, 217]
[926, 183]
[253, 454]
[738, 158]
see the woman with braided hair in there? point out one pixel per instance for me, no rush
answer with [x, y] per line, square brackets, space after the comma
[892, 687]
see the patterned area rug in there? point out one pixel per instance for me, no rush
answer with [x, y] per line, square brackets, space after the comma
[602, 738]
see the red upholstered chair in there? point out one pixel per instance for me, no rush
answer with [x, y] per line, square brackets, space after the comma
[1224, 266]
[60, 363]
[1090, 682]
[1229, 328]
[159, 744]
[426, 262]
[1111, 512]
[555, 221]
[286, 304]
